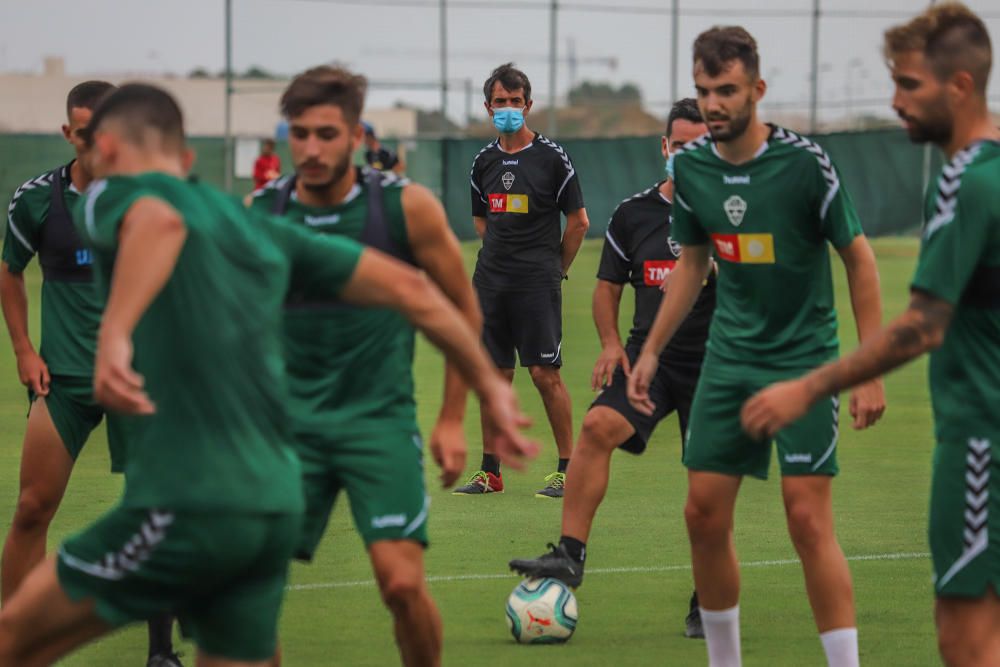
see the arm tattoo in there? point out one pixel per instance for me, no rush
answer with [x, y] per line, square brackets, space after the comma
[918, 330]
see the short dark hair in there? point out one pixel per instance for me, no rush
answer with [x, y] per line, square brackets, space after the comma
[269, 142]
[141, 109]
[510, 78]
[717, 47]
[686, 109]
[87, 95]
[325, 84]
[951, 37]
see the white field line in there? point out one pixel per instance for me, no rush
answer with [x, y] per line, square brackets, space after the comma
[604, 570]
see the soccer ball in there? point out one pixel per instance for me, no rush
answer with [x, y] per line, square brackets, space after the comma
[541, 611]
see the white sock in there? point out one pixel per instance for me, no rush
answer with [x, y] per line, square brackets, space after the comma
[722, 635]
[841, 646]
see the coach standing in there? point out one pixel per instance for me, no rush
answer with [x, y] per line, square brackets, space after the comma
[520, 184]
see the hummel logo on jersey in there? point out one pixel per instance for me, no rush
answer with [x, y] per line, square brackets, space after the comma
[798, 458]
[510, 163]
[736, 208]
[316, 220]
[508, 180]
[736, 180]
[389, 521]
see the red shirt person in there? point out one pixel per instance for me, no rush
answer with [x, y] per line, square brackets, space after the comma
[267, 167]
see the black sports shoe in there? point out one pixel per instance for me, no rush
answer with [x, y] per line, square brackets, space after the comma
[165, 660]
[557, 564]
[692, 624]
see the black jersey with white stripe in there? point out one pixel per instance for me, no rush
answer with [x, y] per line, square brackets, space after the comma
[522, 196]
[638, 250]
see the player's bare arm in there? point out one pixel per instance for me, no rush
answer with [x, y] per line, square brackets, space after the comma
[151, 237]
[685, 284]
[867, 399]
[32, 370]
[381, 281]
[920, 329]
[438, 253]
[577, 225]
[606, 304]
[480, 225]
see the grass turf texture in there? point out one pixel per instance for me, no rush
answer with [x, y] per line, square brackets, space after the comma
[634, 599]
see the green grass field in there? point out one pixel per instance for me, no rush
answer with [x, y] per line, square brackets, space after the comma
[635, 596]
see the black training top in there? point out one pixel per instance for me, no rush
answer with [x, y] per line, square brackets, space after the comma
[638, 250]
[521, 196]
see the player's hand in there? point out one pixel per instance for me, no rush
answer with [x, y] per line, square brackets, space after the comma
[116, 385]
[500, 409]
[642, 375]
[611, 357]
[867, 403]
[775, 407]
[33, 372]
[449, 450]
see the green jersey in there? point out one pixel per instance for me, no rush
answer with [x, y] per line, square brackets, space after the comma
[209, 347]
[71, 309]
[769, 220]
[960, 263]
[349, 369]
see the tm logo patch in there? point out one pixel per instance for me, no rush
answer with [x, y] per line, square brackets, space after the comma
[504, 203]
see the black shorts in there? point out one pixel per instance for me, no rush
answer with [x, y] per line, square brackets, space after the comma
[672, 389]
[529, 322]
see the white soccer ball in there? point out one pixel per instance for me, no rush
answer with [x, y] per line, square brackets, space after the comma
[541, 611]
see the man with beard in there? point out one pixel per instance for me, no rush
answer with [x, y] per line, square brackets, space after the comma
[62, 412]
[354, 414]
[768, 201]
[940, 63]
[637, 251]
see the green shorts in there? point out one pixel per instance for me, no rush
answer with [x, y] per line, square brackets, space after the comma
[222, 574]
[716, 442]
[964, 527]
[75, 415]
[383, 474]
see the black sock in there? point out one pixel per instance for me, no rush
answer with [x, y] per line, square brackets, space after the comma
[490, 464]
[576, 549]
[161, 629]
[563, 464]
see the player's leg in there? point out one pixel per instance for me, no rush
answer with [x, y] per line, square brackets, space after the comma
[40, 623]
[807, 451]
[399, 572]
[500, 345]
[964, 525]
[969, 630]
[46, 465]
[537, 331]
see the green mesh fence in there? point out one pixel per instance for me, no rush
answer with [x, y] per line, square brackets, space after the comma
[882, 169]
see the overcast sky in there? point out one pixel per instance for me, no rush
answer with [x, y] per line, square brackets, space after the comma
[392, 44]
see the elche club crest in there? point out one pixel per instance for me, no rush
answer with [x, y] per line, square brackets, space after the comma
[507, 179]
[674, 246]
[735, 208]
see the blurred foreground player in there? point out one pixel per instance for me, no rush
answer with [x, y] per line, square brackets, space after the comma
[212, 507]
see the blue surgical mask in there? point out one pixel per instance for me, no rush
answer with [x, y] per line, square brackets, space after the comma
[508, 120]
[670, 166]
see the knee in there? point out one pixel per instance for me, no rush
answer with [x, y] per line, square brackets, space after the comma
[954, 649]
[704, 522]
[402, 590]
[546, 378]
[806, 529]
[596, 433]
[34, 510]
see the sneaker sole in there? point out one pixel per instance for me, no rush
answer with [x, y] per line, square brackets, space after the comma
[460, 493]
[542, 495]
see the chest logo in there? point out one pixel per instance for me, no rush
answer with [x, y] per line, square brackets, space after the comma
[735, 208]
[318, 220]
[508, 180]
[505, 203]
[655, 271]
[673, 246]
